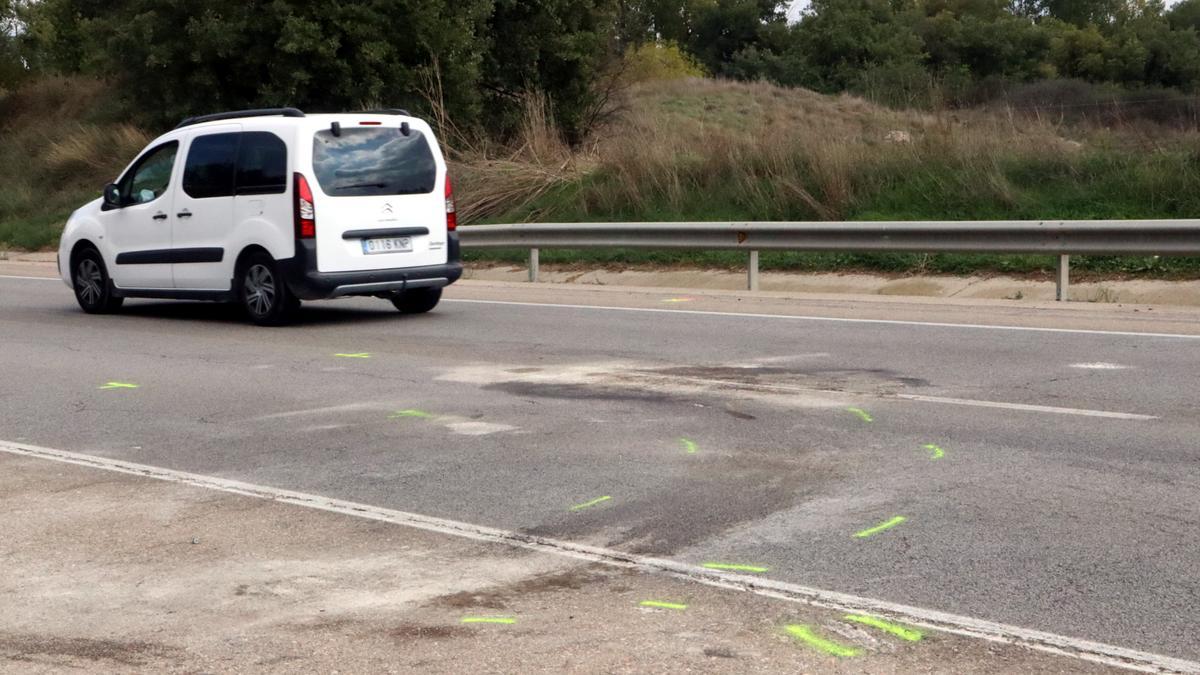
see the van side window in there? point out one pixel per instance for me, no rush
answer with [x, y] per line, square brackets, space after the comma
[261, 164]
[210, 166]
[150, 177]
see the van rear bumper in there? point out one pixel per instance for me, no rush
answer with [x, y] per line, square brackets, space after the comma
[307, 283]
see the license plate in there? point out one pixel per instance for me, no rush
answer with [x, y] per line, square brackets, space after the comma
[387, 245]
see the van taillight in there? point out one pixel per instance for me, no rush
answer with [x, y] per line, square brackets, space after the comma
[306, 213]
[451, 216]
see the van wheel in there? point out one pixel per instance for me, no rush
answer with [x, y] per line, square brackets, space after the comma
[263, 293]
[418, 300]
[90, 281]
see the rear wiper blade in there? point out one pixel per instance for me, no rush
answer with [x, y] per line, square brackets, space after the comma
[360, 185]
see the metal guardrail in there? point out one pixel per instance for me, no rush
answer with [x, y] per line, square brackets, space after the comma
[1062, 238]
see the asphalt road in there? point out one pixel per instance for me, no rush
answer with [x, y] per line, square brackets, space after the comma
[716, 438]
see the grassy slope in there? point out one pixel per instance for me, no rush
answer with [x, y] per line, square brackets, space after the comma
[707, 150]
[60, 146]
[703, 150]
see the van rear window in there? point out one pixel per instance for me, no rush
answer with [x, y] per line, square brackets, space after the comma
[373, 161]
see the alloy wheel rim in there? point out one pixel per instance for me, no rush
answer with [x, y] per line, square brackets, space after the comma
[88, 281]
[259, 289]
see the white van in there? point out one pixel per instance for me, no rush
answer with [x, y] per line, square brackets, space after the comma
[270, 207]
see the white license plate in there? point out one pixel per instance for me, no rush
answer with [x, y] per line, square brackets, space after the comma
[387, 245]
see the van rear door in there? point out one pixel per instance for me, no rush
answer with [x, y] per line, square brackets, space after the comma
[376, 198]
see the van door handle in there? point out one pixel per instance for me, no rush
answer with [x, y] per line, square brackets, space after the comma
[184, 214]
[160, 216]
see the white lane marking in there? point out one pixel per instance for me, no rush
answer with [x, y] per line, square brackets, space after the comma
[745, 315]
[1098, 366]
[927, 618]
[13, 276]
[888, 322]
[1025, 407]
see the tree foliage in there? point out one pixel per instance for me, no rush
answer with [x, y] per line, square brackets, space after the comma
[169, 58]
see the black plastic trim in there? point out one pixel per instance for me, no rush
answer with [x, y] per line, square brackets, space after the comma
[387, 232]
[176, 294]
[385, 111]
[171, 256]
[300, 271]
[238, 114]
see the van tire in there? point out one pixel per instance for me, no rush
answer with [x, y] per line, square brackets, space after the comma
[263, 293]
[89, 279]
[418, 300]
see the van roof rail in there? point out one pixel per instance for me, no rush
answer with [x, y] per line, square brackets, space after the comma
[237, 114]
[387, 111]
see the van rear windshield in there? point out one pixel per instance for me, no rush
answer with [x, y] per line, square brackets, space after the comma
[373, 161]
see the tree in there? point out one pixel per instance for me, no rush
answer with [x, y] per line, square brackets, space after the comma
[560, 48]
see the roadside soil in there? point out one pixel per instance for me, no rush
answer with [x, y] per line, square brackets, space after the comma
[1136, 291]
[108, 572]
[1128, 291]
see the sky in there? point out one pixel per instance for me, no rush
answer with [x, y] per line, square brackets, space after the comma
[796, 6]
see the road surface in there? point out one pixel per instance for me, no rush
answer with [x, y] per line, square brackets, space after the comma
[1030, 466]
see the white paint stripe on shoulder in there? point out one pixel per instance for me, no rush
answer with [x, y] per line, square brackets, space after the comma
[950, 623]
[1026, 407]
[831, 319]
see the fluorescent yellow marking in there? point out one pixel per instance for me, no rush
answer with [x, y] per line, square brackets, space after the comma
[662, 605]
[594, 502]
[410, 413]
[678, 300]
[935, 452]
[488, 619]
[118, 385]
[886, 525]
[359, 355]
[808, 637]
[689, 446]
[902, 632]
[735, 568]
[862, 414]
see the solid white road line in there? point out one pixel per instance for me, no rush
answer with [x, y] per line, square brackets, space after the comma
[745, 315]
[789, 317]
[1025, 407]
[926, 618]
[13, 276]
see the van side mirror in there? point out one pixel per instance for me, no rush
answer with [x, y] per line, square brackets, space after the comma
[112, 196]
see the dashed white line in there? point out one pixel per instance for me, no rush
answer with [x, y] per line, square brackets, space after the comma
[1098, 366]
[1085, 650]
[1025, 407]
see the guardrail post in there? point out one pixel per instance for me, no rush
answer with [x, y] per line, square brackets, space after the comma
[752, 271]
[533, 265]
[1063, 278]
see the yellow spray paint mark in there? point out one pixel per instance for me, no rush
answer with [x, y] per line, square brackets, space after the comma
[662, 605]
[806, 635]
[597, 500]
[886, 525]
[902, 632]
[689, 446]
[673, 300]
[118, 385]
[410, 413]
[934, 451]
[488, 619]
[358, 355]
[735, 567]
[862, 414]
